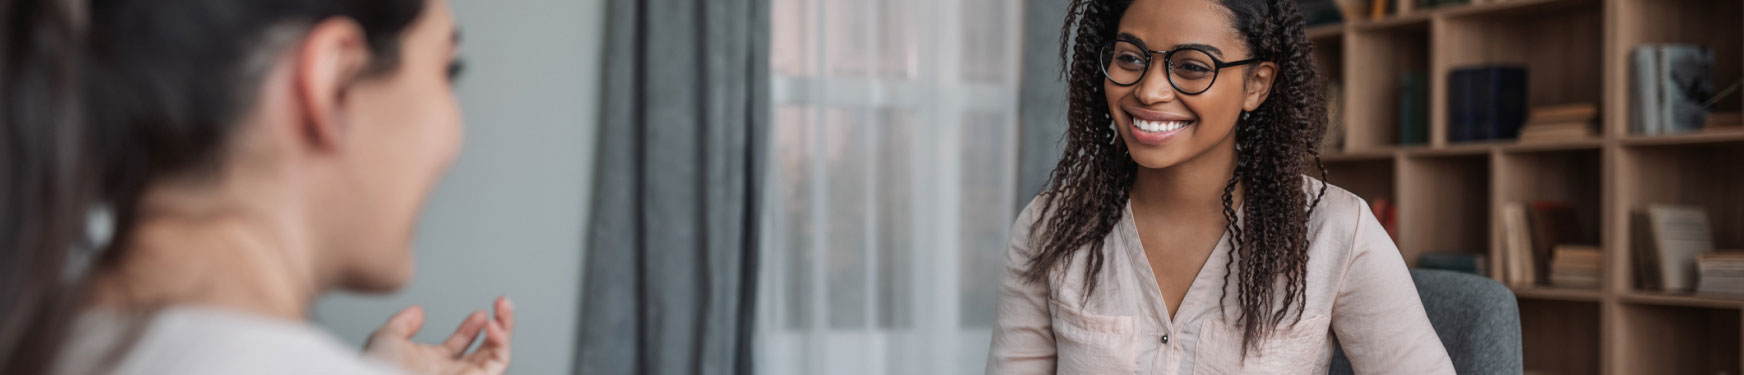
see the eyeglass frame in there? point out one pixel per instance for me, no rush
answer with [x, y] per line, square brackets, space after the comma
[1216, 64]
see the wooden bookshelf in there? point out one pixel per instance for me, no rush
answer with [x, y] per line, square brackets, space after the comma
[1449, 194]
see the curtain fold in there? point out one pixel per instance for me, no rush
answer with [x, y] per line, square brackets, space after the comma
[1041, 98]
[670, 273]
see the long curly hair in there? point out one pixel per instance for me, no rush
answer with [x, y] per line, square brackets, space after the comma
[1088, 190]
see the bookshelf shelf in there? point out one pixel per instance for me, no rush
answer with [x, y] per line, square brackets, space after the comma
[1559, 294]
[1704, 137]
[1680, 299]
[1583, 144]
[1325, 32]
[1449, 196]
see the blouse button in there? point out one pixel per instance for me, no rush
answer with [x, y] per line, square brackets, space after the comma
[1165, 339]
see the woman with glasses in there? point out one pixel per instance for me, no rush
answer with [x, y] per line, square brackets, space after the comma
[181, 179]
[1178, 234]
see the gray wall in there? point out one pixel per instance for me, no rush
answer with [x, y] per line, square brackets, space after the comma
[508, 217]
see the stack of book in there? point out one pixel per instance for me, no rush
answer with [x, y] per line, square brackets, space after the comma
[1534, 235]
[1722, 272]
[1561, 123]
[1486, 102]
[1575, 266]
[1668, 240]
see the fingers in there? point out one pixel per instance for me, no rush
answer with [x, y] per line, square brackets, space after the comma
[506, 313]
[464, 334]
[403, 324]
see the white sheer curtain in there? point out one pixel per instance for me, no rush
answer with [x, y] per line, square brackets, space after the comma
[890, 199]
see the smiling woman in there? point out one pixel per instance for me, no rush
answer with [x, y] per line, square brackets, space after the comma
[1177, 234]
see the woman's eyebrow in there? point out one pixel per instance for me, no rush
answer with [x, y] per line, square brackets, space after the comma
[1200, 46]
[1204, 47]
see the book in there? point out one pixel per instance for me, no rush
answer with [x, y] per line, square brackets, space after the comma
[1573, 112]
[1486, 102]
[1678, 235]
[1645, 256]
[1643, 91]
[1320, 12]
[1333, 140]
[1670, 84]
[1459, 109]
[1724, 120]
[1384, 212]
[1552, 223]
[1517, 246]
[1575, 266]
[1458, 262]
[1378, 9]
[1413, 107]
[1558, 132]
[1721, 272]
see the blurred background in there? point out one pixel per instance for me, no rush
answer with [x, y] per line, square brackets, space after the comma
[827, 186]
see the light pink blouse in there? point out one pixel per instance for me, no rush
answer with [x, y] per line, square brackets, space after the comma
[1359, 295]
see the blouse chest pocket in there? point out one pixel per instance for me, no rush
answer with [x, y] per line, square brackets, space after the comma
[1093, 344]
[1292, 349]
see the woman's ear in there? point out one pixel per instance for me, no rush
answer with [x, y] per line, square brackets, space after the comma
[1258, 85]
[332, 55]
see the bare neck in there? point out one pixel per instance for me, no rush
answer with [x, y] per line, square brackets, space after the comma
[1191, 189]
[210, 247]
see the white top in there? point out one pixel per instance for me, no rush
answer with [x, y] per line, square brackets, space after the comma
[202, 341]
[1359, 295]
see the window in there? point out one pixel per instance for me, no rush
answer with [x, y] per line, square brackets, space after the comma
[889, 201]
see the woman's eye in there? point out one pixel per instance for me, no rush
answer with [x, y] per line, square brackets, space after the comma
[1130, 61]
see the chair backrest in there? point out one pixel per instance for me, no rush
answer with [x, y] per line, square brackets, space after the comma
[1477, 318]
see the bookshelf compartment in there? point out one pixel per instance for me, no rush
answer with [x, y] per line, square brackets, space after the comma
[1444, 203]
[1371, 179]
[1560, 337]
[1708, 175]
[1657, 339]
[1559, 46]
[1711, 23]
[1375, 57]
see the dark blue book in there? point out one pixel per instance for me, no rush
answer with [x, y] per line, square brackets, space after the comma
[1506, 101]
[1459, 113]
[1486, 103]
[1413, 108]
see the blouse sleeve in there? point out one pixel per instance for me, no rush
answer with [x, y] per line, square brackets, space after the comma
[1378, 317]
[1023, 332]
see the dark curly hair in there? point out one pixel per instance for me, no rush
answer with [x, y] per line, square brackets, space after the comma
[1088, 190]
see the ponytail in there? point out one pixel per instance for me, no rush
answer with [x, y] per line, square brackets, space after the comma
[47, 177]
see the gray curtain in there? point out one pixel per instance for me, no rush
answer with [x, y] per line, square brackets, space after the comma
[1041, 97]
[673, 240]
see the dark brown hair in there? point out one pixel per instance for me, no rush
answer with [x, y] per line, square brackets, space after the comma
[1088, 190]
[99, 98]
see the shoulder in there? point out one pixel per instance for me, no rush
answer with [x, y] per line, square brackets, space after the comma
[198, 341]
[1338, 216]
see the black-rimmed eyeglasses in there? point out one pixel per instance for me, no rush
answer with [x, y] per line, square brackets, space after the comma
[1191, 70]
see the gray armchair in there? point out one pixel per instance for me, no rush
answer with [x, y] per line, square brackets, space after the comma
[1477, 318]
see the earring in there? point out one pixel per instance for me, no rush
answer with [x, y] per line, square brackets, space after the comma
[1244, 115]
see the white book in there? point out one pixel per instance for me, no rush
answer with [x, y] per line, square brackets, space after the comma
[1681, 234]
[1518, 243]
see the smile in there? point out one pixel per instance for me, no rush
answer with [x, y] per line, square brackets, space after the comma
[1159, 126]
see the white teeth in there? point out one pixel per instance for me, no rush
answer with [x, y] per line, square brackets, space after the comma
[1158, 126]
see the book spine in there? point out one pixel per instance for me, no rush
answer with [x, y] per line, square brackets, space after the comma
[1511, 111]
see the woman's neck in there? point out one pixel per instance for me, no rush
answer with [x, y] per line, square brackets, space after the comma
[1193, 187]
[205, 247]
